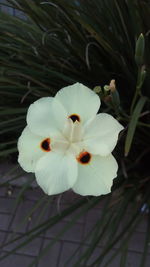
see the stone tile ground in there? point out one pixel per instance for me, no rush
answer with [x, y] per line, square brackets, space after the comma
[67, 244]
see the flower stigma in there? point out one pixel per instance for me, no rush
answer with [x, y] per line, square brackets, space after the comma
[45, 144]
[84, 157]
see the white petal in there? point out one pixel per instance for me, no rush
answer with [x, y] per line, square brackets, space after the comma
[79, 99]
[73, 131]
[56, 172]
[46, 116]
[29, 150]
[101, 134]
[96, 178]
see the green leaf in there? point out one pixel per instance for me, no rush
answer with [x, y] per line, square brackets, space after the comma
[36, 231]
[133, 124]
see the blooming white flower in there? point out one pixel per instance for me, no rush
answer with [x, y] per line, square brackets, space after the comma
[67, 145]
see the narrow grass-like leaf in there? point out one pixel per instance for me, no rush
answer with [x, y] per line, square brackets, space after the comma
[36, 231]
[124, 244]
[23, 190]
[89, 205]
[93, 232]
[133, 123]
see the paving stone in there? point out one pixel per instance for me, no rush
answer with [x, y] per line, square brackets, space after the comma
[93, 215]
[52, 256]
[58, 209]
[101, 204]
[46, 216]
[147, 261]
[80, 219]
[10, 192]
[137, 242]
[38, 216]
[134, 259]
[89, 233]
[87, 230]
[4, 221]
[75, 233]
[32, 248]
[67, 252]
[70, 197]
[3, 191]
[2, 236]
[16, 261]
[9, 172]
[97, 252]
[69, 241]
[19, 223]
[6, 205]
[15, 191]
[142, 226]
[34, 194]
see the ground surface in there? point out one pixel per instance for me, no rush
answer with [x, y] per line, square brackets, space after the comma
[67, 244]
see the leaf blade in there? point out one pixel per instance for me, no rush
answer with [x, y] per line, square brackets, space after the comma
[133, 124]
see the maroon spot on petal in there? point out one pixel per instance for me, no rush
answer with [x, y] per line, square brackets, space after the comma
[74, 117]
[45, 144]
[84, 157]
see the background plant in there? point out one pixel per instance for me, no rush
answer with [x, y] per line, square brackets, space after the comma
[60, 43]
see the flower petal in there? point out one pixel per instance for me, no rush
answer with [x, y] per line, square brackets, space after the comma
[46, 116]
[96, 178]
[29, 150]
[79, 100]
[101, 134]
[56, 172]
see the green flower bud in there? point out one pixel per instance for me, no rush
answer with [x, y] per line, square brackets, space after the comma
[139, 50]
[97, 89]
[107, 88]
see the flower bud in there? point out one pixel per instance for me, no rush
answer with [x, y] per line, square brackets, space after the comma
[111, 87]
[106, 88]
[97, 89]
[139, 50]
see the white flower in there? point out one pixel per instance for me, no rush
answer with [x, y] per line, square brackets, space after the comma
[67, 145]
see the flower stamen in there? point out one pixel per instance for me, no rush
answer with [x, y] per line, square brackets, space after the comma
[45, 144]
[74, 117]
[84, 157]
